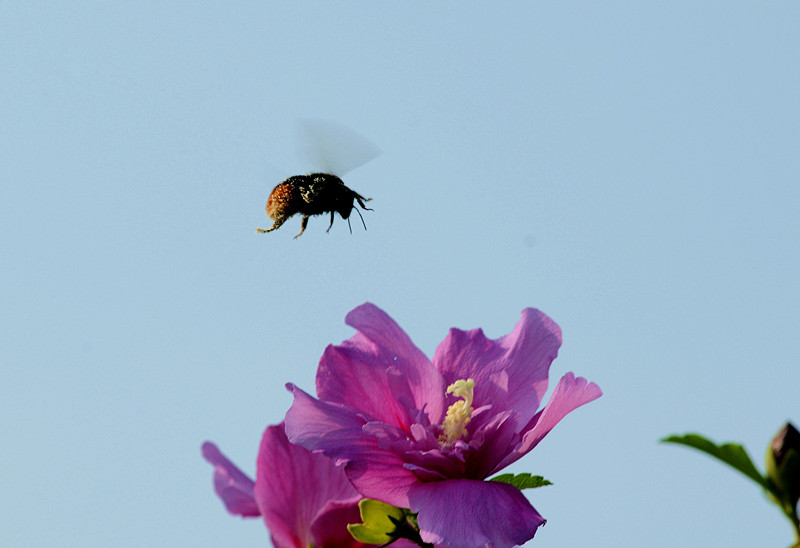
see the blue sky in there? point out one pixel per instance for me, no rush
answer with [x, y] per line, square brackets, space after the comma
[629, 168]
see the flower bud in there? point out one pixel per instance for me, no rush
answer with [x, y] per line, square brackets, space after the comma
[783, 464]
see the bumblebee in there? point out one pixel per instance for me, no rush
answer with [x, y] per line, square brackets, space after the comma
[314, 194]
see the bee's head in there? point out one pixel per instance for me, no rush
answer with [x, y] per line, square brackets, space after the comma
[345, 209]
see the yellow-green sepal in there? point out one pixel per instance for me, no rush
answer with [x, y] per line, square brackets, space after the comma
[380, 521]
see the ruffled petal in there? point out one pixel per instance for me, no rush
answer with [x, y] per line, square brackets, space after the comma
[361, 380]
[336, 431]
[294, 487]
[570, 393]
[382, 476]
[231, 484]
[322, 426]
[357, 373]
[474, 514]
[494, 440]
[509, 372]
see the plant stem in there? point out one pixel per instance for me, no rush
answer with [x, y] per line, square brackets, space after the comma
[793, 517]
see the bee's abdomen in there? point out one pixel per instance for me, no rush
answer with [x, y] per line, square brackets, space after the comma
[282, 200]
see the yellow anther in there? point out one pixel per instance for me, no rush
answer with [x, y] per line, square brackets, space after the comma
[458, 414]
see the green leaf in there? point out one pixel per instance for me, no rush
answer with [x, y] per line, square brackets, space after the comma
[522, 481]
[731, 454]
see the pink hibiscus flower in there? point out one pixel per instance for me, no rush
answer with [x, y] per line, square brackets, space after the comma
[304, 499]
[424, 435]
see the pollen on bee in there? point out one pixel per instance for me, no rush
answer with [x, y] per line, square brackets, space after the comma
[279, 199]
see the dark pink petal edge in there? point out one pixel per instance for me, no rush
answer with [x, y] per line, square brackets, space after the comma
[304, 497]
[231, 484]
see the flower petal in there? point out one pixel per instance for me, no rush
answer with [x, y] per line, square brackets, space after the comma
[509, 372]
[381, 475]
[361, 380]
[322, 426]
[336, 431]
[294, 486]
[330, 526]
[473, 514]
[231, 484]
[570, 393]
[357, 373]
[494, 440]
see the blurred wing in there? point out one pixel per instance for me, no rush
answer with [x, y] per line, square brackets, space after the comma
[331, 147]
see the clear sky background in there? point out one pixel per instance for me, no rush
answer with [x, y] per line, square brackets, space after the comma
[629, 168]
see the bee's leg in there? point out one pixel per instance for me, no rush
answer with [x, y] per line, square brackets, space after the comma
[361, 201]
[278, 222]
[362, 219]
[330, 225]
[303, 225]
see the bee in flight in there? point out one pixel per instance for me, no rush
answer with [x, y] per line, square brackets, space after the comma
[339, 149]
[313, 194]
